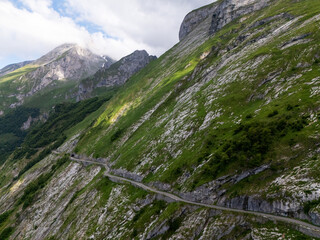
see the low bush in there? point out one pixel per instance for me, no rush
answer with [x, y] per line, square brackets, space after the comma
[309, 205]
[6, 233]
[250, 144]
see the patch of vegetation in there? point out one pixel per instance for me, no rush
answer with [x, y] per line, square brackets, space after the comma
[174, 225]
[274, 113]
[144, 215]
[239, 232]
[279, 228]
[116, 135]
[4, 216]
[50, 135]
[12, 121]
[249, 145]
[59, 163]
[37, 159]
[32, 188]
[105, 187]
[51, 238]
[11, 135]
[17, 73]
[6, 233]
[35, 186]
[65, 115]
[309, 205]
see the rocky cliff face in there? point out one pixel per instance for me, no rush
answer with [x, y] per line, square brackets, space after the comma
[221, 13]
[10, 68]
[55, 74]
[229, 10]
[116, 74]
[67, 62]
[194, 18]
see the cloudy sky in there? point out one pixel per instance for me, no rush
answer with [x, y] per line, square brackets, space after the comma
[31, 28]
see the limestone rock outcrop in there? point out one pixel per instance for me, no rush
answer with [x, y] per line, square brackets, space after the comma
[115, 75]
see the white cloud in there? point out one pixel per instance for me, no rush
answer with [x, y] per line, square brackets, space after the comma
[36, 28]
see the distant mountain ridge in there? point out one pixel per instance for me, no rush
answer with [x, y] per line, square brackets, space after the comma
[116, 74]
[11, 67]
[67, 73]
[66, 62]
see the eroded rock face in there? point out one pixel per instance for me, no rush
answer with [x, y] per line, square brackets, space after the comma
[222, 13]
[229, 10]
[116, 74]
[128, 66]
[192, 20]
[67, 62]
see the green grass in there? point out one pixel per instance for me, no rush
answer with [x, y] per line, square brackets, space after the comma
[17, 73]
[6, 233]
[50, 96]
[147, 88]
[35, 186]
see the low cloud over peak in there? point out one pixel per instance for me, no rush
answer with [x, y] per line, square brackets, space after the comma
[30, 28]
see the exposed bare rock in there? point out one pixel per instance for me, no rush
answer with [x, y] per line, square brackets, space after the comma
[116, 74]
[192, 20]
[222, 13]
[66, 62]
[229, 10]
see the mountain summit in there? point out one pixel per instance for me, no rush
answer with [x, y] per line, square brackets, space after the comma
[66, 62]
[59, 71]
[68, 72]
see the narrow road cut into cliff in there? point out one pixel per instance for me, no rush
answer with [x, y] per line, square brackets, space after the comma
[302, 226]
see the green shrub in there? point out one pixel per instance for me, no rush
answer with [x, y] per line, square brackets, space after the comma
[274, 113]
[41, 156]
[64, 116]
[4, 216]
[289, 107]
[11, 124]
[36, 185]
[249, 116]
[6, 233]
[116, 135]
[250, 144]
[60, 162]
[309, 205]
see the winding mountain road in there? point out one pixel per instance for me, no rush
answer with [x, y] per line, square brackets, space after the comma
[311, 229]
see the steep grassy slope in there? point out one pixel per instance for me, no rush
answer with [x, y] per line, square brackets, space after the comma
[242, 104]
[253, 82]
[11, 134]
[230, 118]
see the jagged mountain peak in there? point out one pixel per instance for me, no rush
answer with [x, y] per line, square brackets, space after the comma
[115, 74]
[65, 65]
[64, 50]
[138, 54]
[66, 62]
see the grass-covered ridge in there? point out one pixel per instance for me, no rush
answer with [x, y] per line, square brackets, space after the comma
[17, 73]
